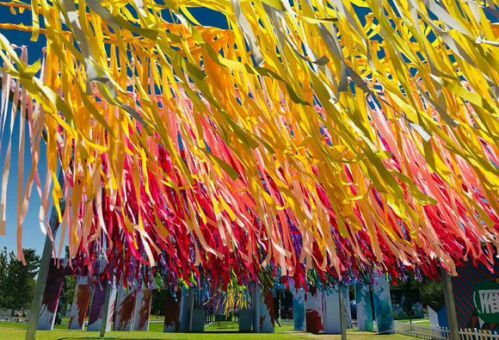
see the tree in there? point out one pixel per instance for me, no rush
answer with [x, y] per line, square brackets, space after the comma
[68, 289]
[68, 292]
[158, 301]
[432, 295]
[408, 300]
[19, 282]
[4, 263]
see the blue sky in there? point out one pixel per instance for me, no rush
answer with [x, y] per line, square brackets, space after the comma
[33, 237]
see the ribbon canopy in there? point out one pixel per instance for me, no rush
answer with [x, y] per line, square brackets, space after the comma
[324, 137]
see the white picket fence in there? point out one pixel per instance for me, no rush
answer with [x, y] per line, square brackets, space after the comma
[477, 334]
[421, 332]
[442, 333]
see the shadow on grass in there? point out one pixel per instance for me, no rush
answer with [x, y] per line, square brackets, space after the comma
[228, 331]
[88, 338]
[99, 338]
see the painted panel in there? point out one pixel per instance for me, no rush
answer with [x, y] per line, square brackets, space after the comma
[186, 304]
[142, 310]
[331, 318]
[97, 312]
[245, 320]
[382, 304]
[125, 309]
[81, 303]
[262, 304]
[438, 318]
[314, 311]
[364, 308]
[197, 322]
[172, 313]
[476, 292]
[323, 311]
[267, 312]
[299, 309]
[51, 296]
[112, 307]
[347, 309]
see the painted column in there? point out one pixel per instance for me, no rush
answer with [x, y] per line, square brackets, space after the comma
[263, 310]
[125, 309]
[111, 306]
[186, 304]
[51, 296]
[348, 310]
[382, 304]
[255, 306]
[198, 313]
[298, 309]
[323, 311]
[245, 320]
[172, 313]
[438, 318]
[197, 321]
[97, 312]
[332, 324]
[96, 307]
[182, 315]
[267, 311]
[314, 311]
[364, 308]
[81, 302]
[142, 309]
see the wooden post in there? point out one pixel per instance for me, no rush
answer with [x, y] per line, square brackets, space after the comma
[342, 311]
[105, 315]
[450, 305]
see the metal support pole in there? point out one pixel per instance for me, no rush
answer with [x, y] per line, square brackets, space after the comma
[450, 305]
[105, 315]
[342, 314]
[41, 280]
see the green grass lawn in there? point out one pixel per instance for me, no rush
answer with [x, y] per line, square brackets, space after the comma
[417, 322]
[222, 330]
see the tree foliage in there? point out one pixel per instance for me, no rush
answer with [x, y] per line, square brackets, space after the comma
[432, 295]
[68, 291]
[4, 264]
[157, 305]
[17, 281]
